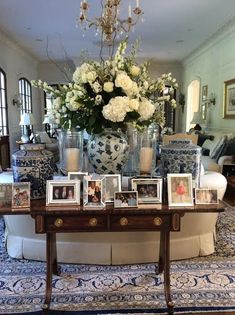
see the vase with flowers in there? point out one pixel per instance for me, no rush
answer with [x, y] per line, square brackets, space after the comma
[108, 96]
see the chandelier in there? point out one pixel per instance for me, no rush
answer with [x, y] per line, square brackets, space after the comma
[109, 24]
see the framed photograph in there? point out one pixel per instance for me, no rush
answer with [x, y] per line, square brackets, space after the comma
[5, 195]
[112, 184]
[21, 195]
[204, 92]
[149, 189]
[77, 176]
[126, 199]
[229, 99]
[63, 192]
[93, 193]
[180, 192]
[206, 196]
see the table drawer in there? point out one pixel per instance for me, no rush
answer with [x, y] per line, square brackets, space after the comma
[140, 222]
[76, 223]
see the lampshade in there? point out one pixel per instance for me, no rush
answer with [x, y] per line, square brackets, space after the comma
[46, 120]
[27, 119]
[197, 118]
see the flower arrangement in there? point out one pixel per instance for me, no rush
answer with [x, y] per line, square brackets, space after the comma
[110, 94]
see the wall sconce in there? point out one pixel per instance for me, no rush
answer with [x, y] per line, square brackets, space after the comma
[211, 100]
[17, 100]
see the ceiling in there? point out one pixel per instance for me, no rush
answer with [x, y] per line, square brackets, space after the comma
[171, 29]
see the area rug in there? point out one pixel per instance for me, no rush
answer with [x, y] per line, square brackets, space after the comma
[200, 284]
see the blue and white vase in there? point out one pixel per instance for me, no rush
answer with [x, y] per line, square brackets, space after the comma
[32, 163]
[108, 151]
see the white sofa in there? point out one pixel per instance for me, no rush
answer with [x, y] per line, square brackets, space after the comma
[195, 238]
[221, 150]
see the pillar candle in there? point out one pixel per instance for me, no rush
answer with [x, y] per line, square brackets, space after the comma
[146, 159]
[72, 159]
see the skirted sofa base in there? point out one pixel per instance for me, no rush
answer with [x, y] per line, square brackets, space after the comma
[196, 238]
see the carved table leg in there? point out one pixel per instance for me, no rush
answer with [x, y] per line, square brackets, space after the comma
[51, 256]
[165, 235]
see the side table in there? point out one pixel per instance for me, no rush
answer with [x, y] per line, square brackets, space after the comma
[60, 219]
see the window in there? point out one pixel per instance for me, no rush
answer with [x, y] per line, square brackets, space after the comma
[193, 101]
[3, 105]
[25, 91]
[49, 125]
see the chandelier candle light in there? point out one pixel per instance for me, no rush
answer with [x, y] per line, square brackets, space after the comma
[109, 24]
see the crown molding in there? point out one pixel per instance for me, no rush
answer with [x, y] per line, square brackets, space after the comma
[223, 32]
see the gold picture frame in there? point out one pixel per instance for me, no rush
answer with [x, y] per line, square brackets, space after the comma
[229, 99]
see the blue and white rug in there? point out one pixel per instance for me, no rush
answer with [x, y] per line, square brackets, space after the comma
[200, 284]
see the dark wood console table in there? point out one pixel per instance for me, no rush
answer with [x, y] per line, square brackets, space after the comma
[70, 219]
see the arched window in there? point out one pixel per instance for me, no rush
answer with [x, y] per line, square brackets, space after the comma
[25, 91]
[3, 104]
[192, 101]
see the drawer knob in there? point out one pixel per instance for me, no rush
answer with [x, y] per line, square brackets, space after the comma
[157, 221]
[58, 222]
[123, 221]
[93, 222]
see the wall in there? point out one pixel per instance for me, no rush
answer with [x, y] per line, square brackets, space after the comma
[213, 63]
[17, 63]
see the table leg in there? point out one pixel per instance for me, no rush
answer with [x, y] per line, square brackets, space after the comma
[52, 268]
[164, 266]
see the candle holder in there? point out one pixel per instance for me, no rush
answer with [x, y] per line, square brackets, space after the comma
[71, 151]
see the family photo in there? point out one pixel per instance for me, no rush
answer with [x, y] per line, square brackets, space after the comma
[206, 196]
[63, 192]
[180, 189]
[149, 190]
[125, 199]
[112, 184]
[21, 195]
[93, 193]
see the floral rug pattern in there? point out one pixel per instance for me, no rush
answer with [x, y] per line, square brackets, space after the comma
[197, 284]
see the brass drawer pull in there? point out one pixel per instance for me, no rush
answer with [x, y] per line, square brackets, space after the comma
[93, 222]
[157, 221]
[58, 222]
[123, 221]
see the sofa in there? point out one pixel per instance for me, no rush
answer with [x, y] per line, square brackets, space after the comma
[196, 237]
[218, 148]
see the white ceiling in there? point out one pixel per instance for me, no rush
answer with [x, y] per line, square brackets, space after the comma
[171, 30]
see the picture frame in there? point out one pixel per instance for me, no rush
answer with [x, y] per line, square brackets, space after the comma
[180, 191]
[93, 192]
[126, 199]
[206, 196]
[204, 92]
[112, 184]
[77, 176]
[149, 190]
[5, 195]
[229, 99]
[20, 195]
[63, 192]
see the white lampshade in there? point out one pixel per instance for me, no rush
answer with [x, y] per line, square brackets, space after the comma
[27, 119]
[46, 120]
[197, 118]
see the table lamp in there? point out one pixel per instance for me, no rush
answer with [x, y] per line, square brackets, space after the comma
[197, 120]
[27, 120]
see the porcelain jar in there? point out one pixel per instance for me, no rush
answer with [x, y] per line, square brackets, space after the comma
[32, 163]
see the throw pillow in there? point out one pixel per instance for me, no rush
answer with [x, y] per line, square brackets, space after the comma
[218, 147]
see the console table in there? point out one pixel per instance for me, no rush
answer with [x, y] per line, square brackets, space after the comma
[70, 219]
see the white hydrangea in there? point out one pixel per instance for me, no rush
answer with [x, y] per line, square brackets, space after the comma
[134, 104]
[96, 87]
[108, 87]
[146, 109]
[123, 81]
[84, 74]
[116, 109]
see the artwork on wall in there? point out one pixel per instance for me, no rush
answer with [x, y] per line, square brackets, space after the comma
[204, 92]
[229, 99]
